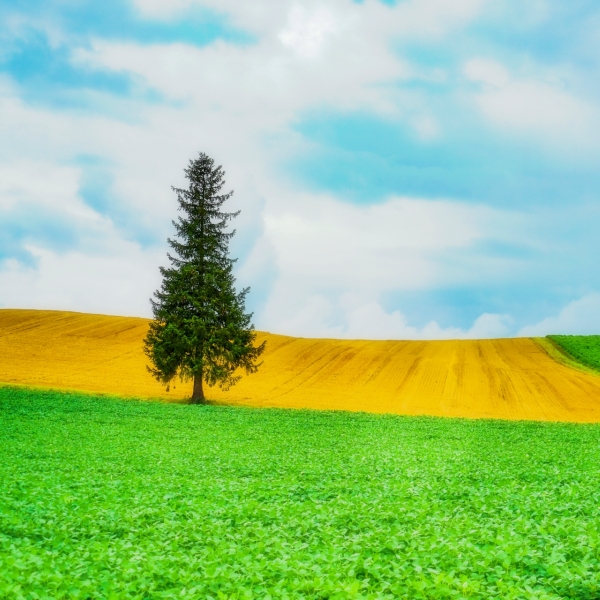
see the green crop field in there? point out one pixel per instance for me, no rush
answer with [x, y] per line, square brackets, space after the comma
[104, 498]
[583, 348]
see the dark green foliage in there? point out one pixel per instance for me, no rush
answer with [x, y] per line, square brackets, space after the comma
[119, 499]
[200, 329]
[583, 348]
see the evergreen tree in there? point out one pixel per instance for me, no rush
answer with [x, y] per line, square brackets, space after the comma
[200, 329]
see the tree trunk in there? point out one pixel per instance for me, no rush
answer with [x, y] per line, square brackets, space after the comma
[198, 393]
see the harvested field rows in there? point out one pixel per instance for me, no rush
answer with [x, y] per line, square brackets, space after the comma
[506, 378]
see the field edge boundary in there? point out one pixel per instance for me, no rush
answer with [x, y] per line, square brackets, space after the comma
[561, 356]
[107, 395]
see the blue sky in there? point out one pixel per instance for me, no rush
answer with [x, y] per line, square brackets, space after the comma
[408, 169]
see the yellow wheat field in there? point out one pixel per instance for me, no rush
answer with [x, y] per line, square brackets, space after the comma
[507, 379]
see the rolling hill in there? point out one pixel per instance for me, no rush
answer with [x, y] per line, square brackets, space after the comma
[503, 378]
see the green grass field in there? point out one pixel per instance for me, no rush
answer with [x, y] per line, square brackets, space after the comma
[103, 498]
[583, 348]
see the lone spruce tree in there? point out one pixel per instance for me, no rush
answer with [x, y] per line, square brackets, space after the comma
[200, 329]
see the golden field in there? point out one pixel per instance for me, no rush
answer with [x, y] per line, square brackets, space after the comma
[505, 378]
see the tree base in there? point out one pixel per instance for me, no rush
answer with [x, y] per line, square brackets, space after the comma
[198, 391]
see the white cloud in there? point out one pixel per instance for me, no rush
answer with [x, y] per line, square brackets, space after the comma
[118, 281]
[403, 243]
[104, 274]
[490, 325]
[371, 321]
[259, 87]
[313, 318]
[427, 127]
[418, 19]
[41, 204]
[307, 32]
[335, 260]
[488, 72]
[350, 45]
[43, 185]
[580, 317]
[529, 105]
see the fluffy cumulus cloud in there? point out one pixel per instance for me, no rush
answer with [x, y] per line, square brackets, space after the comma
[419, 169]
[370, 321]
[579, 317]
[335, 259]
[541, 107]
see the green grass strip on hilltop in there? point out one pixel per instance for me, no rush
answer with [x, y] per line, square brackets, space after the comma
[104, 498]
[583, 348]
